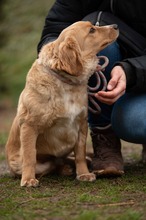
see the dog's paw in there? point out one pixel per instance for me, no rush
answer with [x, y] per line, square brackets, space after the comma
[30, 183]
[90, 177]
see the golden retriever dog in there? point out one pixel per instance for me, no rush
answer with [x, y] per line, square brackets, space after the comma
[51, 119]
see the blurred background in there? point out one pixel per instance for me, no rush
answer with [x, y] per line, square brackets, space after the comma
[21, 24]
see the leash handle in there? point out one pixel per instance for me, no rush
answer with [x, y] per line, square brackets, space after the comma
[100, 78]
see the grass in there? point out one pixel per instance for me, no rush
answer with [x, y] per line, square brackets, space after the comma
[63, 198]
[66, 198]
[57, 198]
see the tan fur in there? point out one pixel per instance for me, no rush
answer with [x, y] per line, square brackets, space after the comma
[51, 119]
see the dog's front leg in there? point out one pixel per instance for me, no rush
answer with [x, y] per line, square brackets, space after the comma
[28, 138]
[82, 171]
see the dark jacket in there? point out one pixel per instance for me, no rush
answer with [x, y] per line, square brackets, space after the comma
[65, 12]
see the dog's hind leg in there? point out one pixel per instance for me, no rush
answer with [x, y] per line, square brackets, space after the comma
[44, 168]
[12, 149]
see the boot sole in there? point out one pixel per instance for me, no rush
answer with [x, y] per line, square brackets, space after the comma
[108, 172]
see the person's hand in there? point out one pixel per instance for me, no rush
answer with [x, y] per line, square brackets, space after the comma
[115, 88]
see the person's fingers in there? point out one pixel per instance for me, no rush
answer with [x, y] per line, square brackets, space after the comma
[108, 98]
[113, 83]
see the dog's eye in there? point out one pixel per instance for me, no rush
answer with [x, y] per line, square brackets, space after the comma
[92, 30]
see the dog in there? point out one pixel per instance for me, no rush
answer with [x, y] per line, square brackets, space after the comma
[51, 119]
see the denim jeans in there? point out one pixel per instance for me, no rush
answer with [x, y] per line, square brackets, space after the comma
[128, 114]
[129, 117]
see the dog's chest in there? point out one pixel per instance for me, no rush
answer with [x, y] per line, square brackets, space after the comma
[73, 106]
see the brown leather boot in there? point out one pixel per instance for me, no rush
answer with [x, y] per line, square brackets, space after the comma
[107, 160]
[144, 153]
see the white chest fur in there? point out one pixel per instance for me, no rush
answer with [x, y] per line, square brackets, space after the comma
[74, 106]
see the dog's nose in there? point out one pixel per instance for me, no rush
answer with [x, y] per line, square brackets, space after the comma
[115, 26]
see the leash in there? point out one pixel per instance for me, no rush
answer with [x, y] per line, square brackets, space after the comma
[100, 80]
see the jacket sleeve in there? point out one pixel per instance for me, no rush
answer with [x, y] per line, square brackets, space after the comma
[135, 69]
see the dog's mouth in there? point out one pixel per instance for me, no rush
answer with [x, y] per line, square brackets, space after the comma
[105, 44]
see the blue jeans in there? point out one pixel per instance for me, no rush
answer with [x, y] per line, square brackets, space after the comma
[128, 114]
[129, 118]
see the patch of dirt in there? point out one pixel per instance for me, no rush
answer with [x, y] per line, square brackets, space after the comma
[4, 168]
[7, 114]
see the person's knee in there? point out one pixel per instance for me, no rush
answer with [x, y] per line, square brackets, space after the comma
[129, 118]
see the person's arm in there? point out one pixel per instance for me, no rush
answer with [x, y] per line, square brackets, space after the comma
[135, 70]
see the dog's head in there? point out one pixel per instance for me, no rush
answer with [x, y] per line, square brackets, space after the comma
[75, 45]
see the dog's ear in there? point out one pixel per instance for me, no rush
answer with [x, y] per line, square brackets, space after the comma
[69, 55]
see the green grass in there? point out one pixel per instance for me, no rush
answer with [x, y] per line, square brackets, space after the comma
[3, 138]
[66, 198]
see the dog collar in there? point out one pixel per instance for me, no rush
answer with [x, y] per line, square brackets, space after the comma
[65, 78]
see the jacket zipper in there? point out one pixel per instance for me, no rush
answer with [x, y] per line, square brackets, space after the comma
[100, 13]
[112, 6]
[98, 18]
